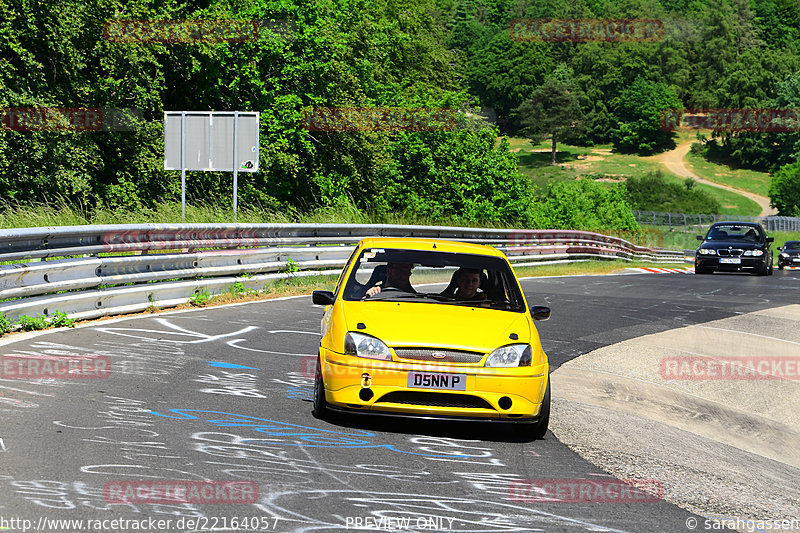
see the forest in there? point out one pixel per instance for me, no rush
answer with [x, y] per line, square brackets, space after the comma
[459, 55]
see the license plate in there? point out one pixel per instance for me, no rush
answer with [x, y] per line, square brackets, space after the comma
[430, 380]
[730, 260]
[796, 260]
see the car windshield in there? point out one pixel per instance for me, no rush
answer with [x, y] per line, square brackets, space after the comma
[434, 278]
[735, 233]
[792, 245]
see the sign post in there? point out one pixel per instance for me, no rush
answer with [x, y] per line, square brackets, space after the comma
[211, 141]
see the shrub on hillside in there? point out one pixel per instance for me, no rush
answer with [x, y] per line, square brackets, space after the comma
[654, 193]
[588, 205]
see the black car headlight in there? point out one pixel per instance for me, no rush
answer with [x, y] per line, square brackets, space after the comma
[707, 251]
[755, 253]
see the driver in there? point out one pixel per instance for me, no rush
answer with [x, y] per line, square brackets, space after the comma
[397, 277]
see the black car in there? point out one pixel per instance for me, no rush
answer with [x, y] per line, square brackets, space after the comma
[734, 247]
[790, 254]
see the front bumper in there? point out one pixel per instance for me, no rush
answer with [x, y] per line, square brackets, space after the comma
[486, 390]
[747, 263]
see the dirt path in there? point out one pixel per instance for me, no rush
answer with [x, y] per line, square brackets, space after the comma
[674, 161]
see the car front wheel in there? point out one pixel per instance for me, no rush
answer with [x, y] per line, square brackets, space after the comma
[320, 406]
[538, 429]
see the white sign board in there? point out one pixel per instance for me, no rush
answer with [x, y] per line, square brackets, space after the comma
[208, 140]
[211, 141]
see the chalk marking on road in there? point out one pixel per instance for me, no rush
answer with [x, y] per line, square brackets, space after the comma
[2, 446]
[294, 331]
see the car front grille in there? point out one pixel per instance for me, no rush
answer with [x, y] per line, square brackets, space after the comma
[722, 252]
[436, 399]
[441, 356]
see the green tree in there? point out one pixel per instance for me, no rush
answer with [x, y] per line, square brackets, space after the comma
[784, 190]
[639, 111]
[553, 109]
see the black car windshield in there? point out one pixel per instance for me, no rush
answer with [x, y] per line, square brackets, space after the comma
[735, 233]
[386, 274]
[792, 245]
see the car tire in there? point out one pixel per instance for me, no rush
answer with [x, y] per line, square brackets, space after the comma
[320, 405]
[538, 429]
[780, 266]
[770, 269]
[698, 270]
[763, 271]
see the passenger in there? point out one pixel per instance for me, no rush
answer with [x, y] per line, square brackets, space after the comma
[397, 277]
[469, 281]
[750, 235]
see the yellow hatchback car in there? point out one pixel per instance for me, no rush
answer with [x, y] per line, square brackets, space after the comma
[395, 343]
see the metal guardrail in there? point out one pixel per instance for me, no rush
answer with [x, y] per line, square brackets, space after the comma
[691, 222]
[114, 269]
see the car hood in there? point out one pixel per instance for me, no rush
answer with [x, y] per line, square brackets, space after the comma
[733, 244]
[440, 325]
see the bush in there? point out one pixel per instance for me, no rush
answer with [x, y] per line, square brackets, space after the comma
[61, 320]
[33, 323]
[200, 298]
[654, 193]
[5, 324]
[588, 205]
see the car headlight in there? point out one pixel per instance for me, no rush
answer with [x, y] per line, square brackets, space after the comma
[784, 255]
[510, 356]
[361, 345]
[707, 251]
[756, 253]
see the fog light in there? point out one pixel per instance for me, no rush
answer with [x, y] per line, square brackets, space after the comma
[504, 403]
[365, 395]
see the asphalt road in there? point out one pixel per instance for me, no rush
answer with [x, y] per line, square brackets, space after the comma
[178, 405]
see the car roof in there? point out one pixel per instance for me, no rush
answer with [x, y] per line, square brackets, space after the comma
[440, 245]
[734, 223]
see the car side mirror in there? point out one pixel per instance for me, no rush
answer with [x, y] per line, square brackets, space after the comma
[770, 239]
[540, 312]
[322, 297]
[699, 237]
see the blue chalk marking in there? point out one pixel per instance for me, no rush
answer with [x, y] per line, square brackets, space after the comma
[308, 437]
[230, 365]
